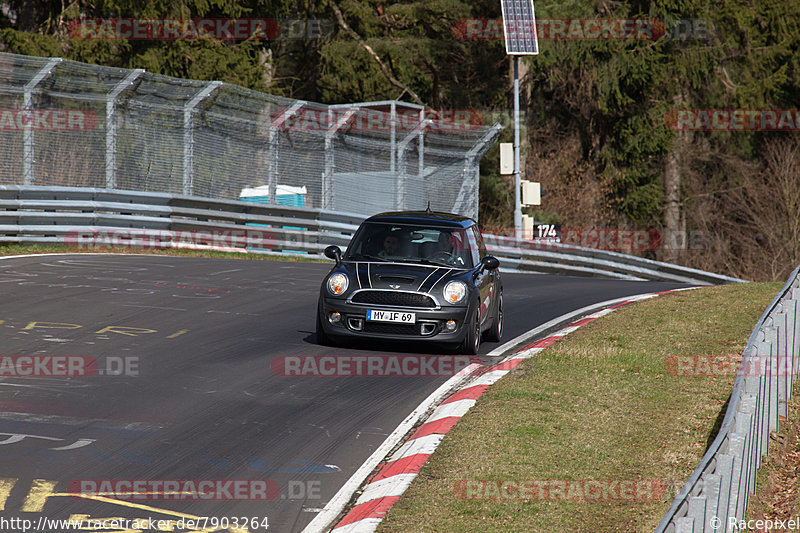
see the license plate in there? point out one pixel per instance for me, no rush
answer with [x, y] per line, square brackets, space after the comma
[391, 316]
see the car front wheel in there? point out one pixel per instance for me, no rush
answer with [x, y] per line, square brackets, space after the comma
[496, 330]
[472, 340]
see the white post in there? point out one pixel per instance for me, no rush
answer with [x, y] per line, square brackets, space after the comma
[188, 135]
[111, 126]
[330, 163]
[419, 131]
[517, 204]
[27, 139]
[274, 126]
[421, 145]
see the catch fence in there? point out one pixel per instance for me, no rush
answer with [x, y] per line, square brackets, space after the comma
[69, 124]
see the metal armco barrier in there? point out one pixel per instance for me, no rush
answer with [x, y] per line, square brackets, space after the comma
[549, 257]
[717, 493]
[93, 217]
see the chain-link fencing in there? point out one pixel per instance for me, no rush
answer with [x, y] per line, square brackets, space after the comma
[65, 123]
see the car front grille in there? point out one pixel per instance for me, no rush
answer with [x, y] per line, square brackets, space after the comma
[391, 329]
[394, 299]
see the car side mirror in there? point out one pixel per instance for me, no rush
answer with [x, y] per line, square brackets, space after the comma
[490, 262]
[333, 252]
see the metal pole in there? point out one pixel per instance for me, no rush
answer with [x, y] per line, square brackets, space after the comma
[469, 159]
[517, 204]
[188, 136]
[393, 120]
[419, 130]
[274, 127]
[27, 139]
[330, 164]
[111, 126]
[421, 145]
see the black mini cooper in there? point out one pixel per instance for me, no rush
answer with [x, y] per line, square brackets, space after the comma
[413, 275]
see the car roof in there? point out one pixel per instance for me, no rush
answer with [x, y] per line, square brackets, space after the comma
[423, 218]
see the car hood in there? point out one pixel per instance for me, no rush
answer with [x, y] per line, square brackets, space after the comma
[399, 276]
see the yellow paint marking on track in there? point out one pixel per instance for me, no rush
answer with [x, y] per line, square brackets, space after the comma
[177, 333]
[6, 484]
[126, 504]
[51, 325]
[125, 330]
[130, 494]
[40, 491]
[43, 489]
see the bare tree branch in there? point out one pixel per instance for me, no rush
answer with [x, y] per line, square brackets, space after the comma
[394, 81]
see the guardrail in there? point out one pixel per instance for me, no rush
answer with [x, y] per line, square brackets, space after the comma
[94, 217]
[543, 256]
[717, 493]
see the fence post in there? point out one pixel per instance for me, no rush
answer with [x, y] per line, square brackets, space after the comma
[421, 145]
[111, 126]
[274, 126]
[330, 162]
[188, 135]
[471, 174]
[27, 106]
[393, 137]
[402, 173]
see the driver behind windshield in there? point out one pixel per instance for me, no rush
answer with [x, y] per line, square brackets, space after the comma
[391, 246]
[443, 243]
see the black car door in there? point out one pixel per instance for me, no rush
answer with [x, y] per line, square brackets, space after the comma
[486, 280]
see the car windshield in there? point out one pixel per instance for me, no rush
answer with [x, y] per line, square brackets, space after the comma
[412, 243]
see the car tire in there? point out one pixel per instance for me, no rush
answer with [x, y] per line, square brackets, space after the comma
[472, 340]
[496, 331]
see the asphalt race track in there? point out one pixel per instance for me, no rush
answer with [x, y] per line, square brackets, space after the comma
[182, 388]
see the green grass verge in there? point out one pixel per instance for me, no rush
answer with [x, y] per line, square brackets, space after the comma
[597, 405]
[20, 249]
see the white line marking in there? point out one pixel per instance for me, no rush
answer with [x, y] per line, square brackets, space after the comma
[368, 525]
[391, 486]
[335, 506]
[447, 410]
[424, 445]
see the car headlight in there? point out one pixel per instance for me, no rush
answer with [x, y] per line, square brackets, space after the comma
[455, 291]
[337, 284]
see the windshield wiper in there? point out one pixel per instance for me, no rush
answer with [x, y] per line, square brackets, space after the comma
[367, 257]
[423, 261]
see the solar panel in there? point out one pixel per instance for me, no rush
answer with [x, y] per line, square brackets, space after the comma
[519, 27]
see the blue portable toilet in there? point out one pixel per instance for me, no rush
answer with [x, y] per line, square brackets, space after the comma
[285, 194]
